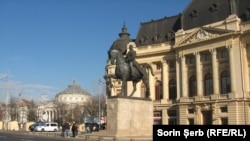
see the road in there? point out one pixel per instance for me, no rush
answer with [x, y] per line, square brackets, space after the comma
[12, 136]
[55, 136]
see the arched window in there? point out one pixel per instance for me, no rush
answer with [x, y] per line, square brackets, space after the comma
[225, 82]
[192, 86]
[158, 90]
[172, 89]
[208, 85]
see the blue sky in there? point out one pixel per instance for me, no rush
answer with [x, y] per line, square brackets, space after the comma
[46, 44]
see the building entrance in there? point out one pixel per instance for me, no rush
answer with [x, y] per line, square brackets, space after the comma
[207, 117]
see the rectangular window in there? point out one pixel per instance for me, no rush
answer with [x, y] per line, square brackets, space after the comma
[157, 118]
[223, 109]
[191, 60]
[225, 85]
[191, 110]
[172, 121]
[224, 54]
[158, 66]
[172, 114]
[224, 121]
[207, 57]
[172, 64]
[191, 121]
[208, 86]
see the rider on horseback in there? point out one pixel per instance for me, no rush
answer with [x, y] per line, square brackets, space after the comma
[130, 58]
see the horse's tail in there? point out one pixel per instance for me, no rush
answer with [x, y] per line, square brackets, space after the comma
[149, 67]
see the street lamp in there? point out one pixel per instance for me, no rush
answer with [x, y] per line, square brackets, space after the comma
[99, 101]
[72, 112]
[7, 99]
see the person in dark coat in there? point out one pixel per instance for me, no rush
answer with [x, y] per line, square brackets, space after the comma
[74, 129]
[66, 129]
[63, 129]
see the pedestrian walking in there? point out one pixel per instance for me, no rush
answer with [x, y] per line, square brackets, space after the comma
[74, 129]
[66, 129]
[63, 130]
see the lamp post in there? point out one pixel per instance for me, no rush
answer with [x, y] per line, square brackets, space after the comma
[72, 106]
[6, 100]
[99, 101]
[99, 110]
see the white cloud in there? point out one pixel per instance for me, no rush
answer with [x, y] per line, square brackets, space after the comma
[27, 91]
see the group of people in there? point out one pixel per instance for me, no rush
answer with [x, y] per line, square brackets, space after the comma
[66, 129]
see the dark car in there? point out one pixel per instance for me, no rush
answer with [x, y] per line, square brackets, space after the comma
[33, 126]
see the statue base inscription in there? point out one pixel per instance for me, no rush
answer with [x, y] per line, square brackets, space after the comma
[129, 117]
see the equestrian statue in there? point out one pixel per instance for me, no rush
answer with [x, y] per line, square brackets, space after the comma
[127, 69]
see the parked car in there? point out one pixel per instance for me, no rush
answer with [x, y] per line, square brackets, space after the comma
[33, 126]
[47, 127]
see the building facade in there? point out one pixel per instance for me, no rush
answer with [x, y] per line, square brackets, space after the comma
[201, 62]
[66, 102]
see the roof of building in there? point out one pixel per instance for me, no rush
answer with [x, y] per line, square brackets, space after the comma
[243, 9]
[74, 88]
[197, 14]
[23, 102]
[158, 31]
[121, 43]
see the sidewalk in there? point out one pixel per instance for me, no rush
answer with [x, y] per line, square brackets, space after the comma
[102, 135]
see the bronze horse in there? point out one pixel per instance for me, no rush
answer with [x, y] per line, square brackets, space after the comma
[122, 71]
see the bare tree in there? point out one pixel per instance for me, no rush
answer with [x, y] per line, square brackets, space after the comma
[77, 111]
[97, 105]
[61, 108]
[32, 111]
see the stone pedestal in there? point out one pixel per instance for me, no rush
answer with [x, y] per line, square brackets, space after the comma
[129, 117]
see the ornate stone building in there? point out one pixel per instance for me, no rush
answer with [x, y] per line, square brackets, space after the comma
[65, 101]
[200, 59]
[74, 94]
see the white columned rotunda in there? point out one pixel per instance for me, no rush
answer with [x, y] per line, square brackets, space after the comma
[65, 102]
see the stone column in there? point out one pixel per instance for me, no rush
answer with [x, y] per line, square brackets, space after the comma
[183, 77]
[245, 69]
[165, 117]
[52, 115]
[49, 119]
[48, 116]
[198, 73]
[232, 69]
[215, 116]
[178, 83]
[165, 73]
[198, 115]
[151, 85]
[215, 71]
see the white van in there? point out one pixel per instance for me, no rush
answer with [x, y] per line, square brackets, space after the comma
[47, 126]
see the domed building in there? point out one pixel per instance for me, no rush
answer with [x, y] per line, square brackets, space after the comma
[74, 94]
[69, 102]
[121, 43]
